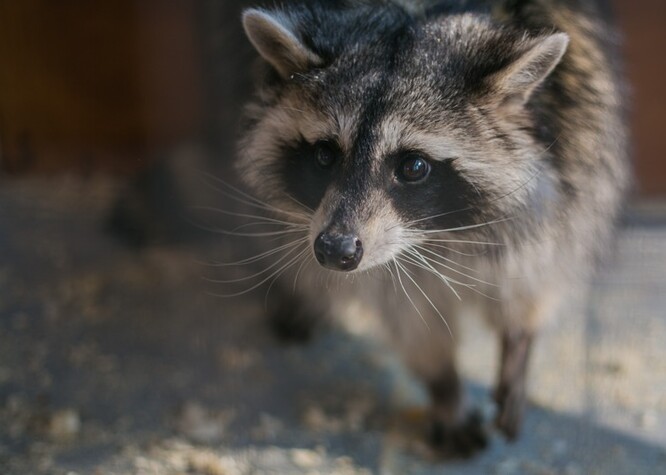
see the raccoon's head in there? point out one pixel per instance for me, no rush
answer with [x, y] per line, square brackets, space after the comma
[391, 129]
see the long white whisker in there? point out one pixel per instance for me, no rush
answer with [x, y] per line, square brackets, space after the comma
[298, 272]
[398, 267]
[464, 228]
[251, 225]
[303, 205]
[431, 303]
[455, 251]
[259, 284]
[290, 109]
[246, 198]
[268, 290]
[431, 261]
[446, 279]
[435, 261]
[267, 219]
[425, 265]
[259, 257]
[253, 276]
[459, 241]
[210, 176]
[388, 267]
[225, 232]
[451, 261]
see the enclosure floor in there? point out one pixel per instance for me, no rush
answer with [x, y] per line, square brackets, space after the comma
[114, 361]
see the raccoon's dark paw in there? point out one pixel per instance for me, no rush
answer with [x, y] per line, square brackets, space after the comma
[291, 326]
[510, 409]
[462, 440]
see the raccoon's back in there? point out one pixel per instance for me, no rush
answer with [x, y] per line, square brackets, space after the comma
[582, 112]
[581, 119]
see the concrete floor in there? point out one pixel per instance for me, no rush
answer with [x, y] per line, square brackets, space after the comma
[114, 362]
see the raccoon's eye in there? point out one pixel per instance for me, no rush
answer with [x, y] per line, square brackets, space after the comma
[413, 168]
[325, 154]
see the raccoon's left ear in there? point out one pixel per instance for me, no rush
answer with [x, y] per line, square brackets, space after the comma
[519, 79]
[274, 37]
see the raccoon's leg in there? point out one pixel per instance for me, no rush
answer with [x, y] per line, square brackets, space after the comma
[517, 318]
[428, 350]
[510, 392]
[454, 432]
[293, 318]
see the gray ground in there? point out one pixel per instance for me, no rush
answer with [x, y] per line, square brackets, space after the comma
[115, 362]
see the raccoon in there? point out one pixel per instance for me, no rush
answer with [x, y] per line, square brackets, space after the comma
[433, 157]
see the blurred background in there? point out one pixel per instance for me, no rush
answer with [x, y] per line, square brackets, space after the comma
[92, 87]
[114, 359]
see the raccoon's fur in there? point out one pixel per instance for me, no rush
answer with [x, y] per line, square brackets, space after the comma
[472, 152]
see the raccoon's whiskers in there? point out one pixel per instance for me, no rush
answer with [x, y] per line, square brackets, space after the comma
[425, 295]
[298, 272]
[257, 274]
[448, 280]
[253, 259]
[225, 232]
[465, 228]
[248, 199]
[265, 219]
[426, 263]
[273, 276]
[454, 251]
[299, 203]
[284, 269]
[289, 109]
[420, 262]
[387, 266]
[259, 223]
[435, 261]
[428, 240]
[398, 269]
[439, 256]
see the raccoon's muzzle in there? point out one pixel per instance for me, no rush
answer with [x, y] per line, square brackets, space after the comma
[341, 252]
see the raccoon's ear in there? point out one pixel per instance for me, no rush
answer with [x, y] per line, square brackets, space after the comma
[519, 79]
[272, 34]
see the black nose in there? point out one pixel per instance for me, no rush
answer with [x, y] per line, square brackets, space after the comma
[338, 251]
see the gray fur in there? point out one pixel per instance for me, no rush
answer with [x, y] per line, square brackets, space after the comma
[522, 98]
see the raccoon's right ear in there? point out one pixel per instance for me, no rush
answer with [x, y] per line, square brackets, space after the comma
[533, 65]
[273, 36]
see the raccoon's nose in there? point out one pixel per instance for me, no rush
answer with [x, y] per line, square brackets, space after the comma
[338, 251]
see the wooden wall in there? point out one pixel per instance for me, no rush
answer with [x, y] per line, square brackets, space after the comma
[93, 85]
[644, 26]
[90, 85]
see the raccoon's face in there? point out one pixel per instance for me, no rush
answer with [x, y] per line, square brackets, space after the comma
[390, 131]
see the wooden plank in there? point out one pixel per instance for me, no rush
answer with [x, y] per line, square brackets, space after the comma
[645, 40]
[95, 85]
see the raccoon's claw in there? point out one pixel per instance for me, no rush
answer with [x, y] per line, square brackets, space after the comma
[463, 440]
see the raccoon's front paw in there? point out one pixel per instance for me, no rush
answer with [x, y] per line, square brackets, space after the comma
[461, 440]
[510, 409]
